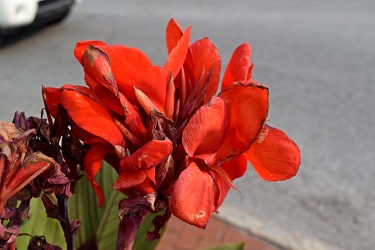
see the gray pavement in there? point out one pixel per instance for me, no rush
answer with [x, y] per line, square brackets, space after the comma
[317, 57]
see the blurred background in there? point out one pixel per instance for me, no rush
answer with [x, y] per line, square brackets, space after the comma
[316, 57]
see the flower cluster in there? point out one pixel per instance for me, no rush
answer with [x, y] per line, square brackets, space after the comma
[163, 128]
[24, 173]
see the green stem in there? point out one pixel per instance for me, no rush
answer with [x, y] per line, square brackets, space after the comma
[106, 213]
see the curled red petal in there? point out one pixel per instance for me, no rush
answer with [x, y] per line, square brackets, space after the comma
[205, 131]
[148, 156]
[194, 196]
[99, 77]
[98, 67]
[51, 97]
[133, 119]
[178, 54]
[173, 34]
[134, 182]
[223, 182]
[90, 114]
[129, 178]
[146, 187]
[238, 67]
[207, 61]
[106, 95]
[248, 108]
[92, 163]
[226, 172]
[274, 155]
[82, 46]
[118, 103]
[132, 68]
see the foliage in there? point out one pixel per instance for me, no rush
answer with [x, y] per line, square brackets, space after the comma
[234, 246]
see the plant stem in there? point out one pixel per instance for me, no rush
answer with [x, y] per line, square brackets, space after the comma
[64, 222]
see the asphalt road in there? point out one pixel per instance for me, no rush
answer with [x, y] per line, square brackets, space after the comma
[317, 57]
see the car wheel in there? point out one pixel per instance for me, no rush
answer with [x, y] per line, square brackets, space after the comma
[61, 16]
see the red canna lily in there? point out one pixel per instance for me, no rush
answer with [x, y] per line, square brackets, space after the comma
[112, 111]
[223, 132]
[163, 129]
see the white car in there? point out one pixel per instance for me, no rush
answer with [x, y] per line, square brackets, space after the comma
[18, 14]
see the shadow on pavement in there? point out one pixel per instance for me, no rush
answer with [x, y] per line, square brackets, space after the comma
[9, 37]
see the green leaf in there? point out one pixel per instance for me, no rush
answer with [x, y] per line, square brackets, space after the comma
[234, 246]
[100, 225]
[39, 224]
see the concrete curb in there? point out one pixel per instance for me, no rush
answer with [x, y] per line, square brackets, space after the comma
[270, 231]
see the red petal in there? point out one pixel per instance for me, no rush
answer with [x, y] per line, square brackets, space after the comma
[173, 34]
[92, 163]
[134, 182]
[238, 67]
[107, 96]
[90, 114]
[223, 182]
[133, 119]
[205, 130]
[132, 68]
[97, 65]
[235, 167]
[146, 187]
[34, 165]
[207, 60]
[274, 155]
[51, 98]
[118, 103]
[194, 196]
[130, 178]
[178, 54]
[82, 46]
[248, 108]
[85, 136]
[100, 79]
[148, 156]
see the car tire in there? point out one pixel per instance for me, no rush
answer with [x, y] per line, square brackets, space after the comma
[61, 16]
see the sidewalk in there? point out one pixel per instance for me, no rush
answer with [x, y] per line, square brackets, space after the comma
[179, 235]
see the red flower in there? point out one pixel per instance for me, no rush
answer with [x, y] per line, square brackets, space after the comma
[163, 129]
[109, 115]
[224, 131]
